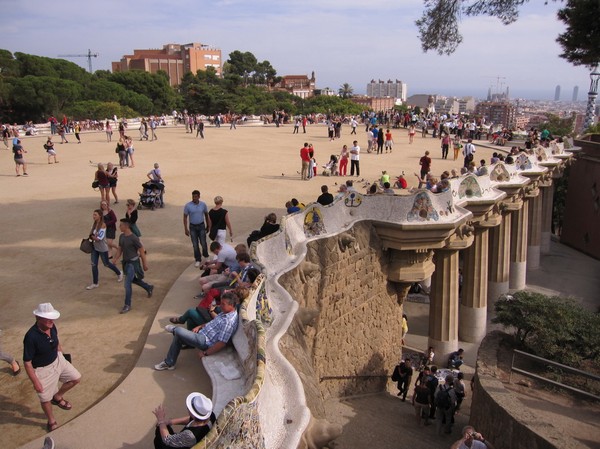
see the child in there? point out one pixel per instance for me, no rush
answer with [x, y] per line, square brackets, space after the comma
[388, 141]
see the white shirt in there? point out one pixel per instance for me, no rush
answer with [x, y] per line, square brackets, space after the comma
[355, 156]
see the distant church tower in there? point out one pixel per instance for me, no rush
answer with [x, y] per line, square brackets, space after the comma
[557, 93]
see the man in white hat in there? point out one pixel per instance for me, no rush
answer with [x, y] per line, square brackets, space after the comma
[45, 364]
[196, 425]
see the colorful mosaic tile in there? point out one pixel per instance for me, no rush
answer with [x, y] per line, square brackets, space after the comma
[313, 222]
[263, 307]
[422, 209]
[469, 187]
[499, 173]
[522, 162]
[354, 199]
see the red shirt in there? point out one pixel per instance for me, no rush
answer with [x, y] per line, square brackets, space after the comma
[304, 154]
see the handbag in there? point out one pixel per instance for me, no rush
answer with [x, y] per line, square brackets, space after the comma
[95, 184]
[86, 246]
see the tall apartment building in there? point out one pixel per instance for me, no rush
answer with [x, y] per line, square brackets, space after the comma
[389, 88]
[175, 59]
[499, 113]
[557, 93]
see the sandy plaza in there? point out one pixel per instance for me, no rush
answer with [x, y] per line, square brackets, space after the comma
[45, 215]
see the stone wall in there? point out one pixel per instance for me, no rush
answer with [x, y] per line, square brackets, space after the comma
[349, 322]
[500, 416]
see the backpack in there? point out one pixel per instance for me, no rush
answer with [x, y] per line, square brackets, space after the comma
[396, 374]
[442, 399]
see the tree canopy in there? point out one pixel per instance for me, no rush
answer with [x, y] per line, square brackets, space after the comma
[439, 25]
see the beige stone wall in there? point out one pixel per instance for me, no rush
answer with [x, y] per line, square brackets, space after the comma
[349, 322]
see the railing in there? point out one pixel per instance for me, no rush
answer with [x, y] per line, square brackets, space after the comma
[550, 381]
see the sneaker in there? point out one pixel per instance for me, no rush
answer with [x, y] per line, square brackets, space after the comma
[197, 264]
[120, 278]
[125, 309]
[25, 174]
[92, 286]
[48, 443]
[170, 328]
[150, 291]
[199, 296]
[162, 366]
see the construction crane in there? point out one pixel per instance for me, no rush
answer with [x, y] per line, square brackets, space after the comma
[89, 57]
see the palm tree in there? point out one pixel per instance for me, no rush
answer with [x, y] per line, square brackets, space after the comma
[346, 90]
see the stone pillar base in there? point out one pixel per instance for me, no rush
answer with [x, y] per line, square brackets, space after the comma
[472, 323]
[545, 244]
[533, 257]
[442, 349]
[518, 275]
[495, 290]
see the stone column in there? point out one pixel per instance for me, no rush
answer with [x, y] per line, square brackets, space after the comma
[443, 308]
[473, 304]
[499, 259]
[518, 248]
[534, 232]
[547, 206]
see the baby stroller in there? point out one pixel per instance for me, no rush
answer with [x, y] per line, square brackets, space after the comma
[331, 168]
[152, 195]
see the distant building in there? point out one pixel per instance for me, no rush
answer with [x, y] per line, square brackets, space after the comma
[389, 88]
[466, 105]
[557, 93]
[326, 91]
[175, 59]
[575, 93]
[375, 103]
[499, 113]
[299, 85]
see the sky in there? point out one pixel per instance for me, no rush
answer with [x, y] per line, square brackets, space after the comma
[342, 41]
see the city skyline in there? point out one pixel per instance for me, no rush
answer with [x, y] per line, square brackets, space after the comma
[343, 42]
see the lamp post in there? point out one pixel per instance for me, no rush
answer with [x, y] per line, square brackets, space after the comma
[592, 94]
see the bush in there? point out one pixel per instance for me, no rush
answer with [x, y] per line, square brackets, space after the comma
[99, 110]
[552, 327]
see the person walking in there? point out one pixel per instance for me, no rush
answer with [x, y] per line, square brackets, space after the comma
[18, 152]
[344, 156]
[131, 214]
[199, 222]
[103, 185]
[100, 250]
[46, 365]
[425, 163]
[50, 150]
[468, 152]
[134, 262]
[355, 159]
[305, 158]
[113, 177]
[219, 222]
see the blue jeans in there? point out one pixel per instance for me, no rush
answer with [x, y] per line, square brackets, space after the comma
[130, 278]
[182, 336]
[198, 235]
[107, 263]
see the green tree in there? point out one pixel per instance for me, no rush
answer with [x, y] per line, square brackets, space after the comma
[551, 327]
[100, 110]
[242, 64]
[439, 25]
[345, 90]
[155, 86]
[558, 126]
[581, 41]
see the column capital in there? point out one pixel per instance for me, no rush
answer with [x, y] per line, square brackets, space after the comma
[408, 266]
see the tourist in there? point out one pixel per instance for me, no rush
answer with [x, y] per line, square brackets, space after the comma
[113, 177]
[200, 129]
[296, 126]
[50, 150]
[132, 250]
[369, 140]
[129, 150]
[445, 145]
[389, 142]
[471, 440]
[18, 152]
[62, 129]
[405, 373]
[411, 133]
[305, 158]
[355, 159]
[199, 221]
[387, 189]
[445, 403]
[143, 129]
[353, 125]
[209, 338]
[220, 267]
[196, 424]
[110, 219]
[344, 155]
[456, 146]
[46, 365]
[459, 389]
[100, 250]
[421, 403]
[425, 163]
[400, 182]
[404, 328]
[77, 131]
[108, 129]
[153, 125]
[269, 226]
[380, 141]
[121, 151]
[455, 360]
[101, 178]
[468, 152]
[131, 214]
[325, 198]
[219, 222]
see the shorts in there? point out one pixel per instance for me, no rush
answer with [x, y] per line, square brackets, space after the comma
[112, 183]
[20, 161]
[110, 233]
[388, 144]
[58, 371]
[51, 152]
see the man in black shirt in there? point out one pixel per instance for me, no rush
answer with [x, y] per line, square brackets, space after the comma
[325, 198]
[45, 364]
